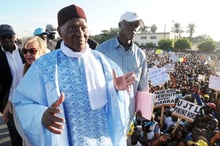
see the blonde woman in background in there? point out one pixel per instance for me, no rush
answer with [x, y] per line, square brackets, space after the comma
[33, 48]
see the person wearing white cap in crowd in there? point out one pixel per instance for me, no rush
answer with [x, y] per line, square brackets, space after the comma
[123, 51]
[72, 96]
[42, 34]
[51, 37]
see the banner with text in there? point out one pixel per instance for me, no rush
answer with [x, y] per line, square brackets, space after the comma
[214, 82]
[158, 76]
[186, 110]
[165, 98]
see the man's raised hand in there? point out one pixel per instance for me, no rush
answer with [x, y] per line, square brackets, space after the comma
[123, 82]
[51, 120]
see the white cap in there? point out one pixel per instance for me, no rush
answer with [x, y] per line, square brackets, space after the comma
[131, 17]
[51, 28]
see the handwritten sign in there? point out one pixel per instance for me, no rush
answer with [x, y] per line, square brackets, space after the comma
[170, 67]
[214, 82]
[187, 110]
[158, 76]
[165, 98]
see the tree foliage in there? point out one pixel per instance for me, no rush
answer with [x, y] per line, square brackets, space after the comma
[148, 29]
[177, 29]
[182, 44]
[207, 46]
[165, 44]
[150, 45]
[191, 30]
[201, 38]
[153, 28]
[105, 35]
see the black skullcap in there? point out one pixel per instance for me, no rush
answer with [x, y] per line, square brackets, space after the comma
[70, 12]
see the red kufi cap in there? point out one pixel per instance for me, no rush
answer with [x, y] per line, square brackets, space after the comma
[70, 12]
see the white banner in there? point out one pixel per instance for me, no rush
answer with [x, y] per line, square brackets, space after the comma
[214, 82]
[186, 110]
[158, 76]
[165, 98]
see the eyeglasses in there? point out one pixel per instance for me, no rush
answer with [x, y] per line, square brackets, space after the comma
[32, 51]
[132, 24]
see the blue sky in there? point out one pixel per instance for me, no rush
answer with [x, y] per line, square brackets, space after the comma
[26, 15]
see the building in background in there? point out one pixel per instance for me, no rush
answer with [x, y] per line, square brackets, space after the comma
[145, 37]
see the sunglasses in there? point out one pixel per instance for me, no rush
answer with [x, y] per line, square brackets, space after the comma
[32, 51]
[132, 24]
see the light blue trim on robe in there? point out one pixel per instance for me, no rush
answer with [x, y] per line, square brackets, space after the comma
[38, 89]
[118, 116]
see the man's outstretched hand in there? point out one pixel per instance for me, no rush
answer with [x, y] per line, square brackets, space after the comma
[123, 82]
[51, 120]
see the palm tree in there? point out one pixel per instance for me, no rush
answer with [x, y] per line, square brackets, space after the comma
[143, 29]
[191, 30]
[153, 28]
[177, 29]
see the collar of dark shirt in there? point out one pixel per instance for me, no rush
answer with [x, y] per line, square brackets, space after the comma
[119, 45]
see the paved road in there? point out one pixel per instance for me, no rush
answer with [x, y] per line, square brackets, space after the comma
[4, 134]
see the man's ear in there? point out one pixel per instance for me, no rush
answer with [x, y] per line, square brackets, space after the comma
[59, 32]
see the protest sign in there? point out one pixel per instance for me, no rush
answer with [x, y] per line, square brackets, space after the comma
[214, 82]
[158, 76]
[165, 98]
[145, 103]
[186, 110]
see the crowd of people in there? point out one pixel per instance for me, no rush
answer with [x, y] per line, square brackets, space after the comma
[77, 92]
[165, 128]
